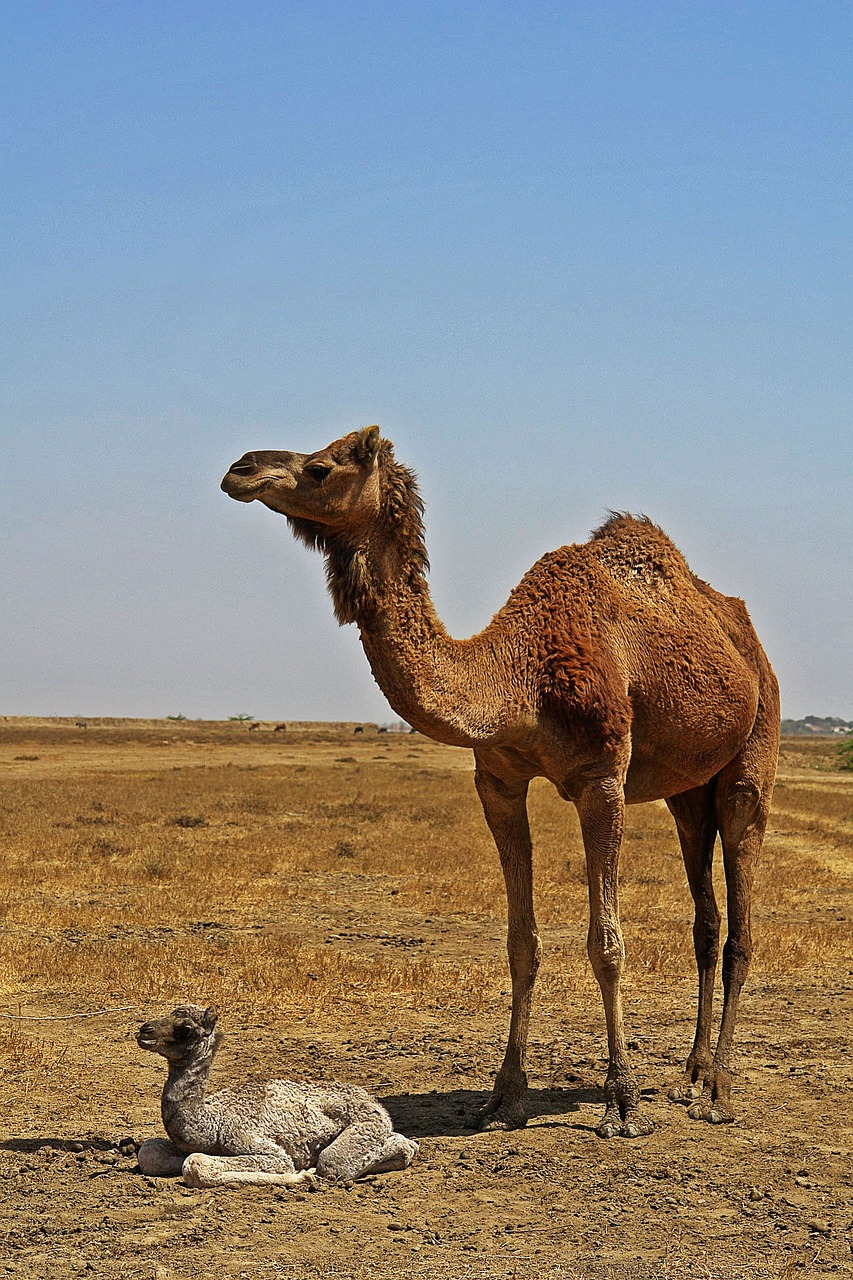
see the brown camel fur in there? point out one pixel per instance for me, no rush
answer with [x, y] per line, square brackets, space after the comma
[611, 670]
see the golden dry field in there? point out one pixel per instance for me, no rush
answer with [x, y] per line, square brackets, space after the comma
[339, 897]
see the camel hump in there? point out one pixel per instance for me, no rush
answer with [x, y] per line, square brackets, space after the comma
[635, 549]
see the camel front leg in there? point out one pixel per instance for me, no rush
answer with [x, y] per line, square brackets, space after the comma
[235, 1171]
[505, 808]
[601, 808]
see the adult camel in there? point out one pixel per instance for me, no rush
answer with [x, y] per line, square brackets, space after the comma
[611, 670]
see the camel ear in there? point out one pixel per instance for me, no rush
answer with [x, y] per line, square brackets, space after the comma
[367, 445]
[210, 1018]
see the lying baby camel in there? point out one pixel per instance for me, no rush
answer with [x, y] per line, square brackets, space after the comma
[267, 1131]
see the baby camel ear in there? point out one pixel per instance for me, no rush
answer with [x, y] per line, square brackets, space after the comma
[210, 1017]
[367, 445]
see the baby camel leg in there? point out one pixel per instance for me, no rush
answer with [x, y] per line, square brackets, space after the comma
[397, 1153]
[159, 1158]
[234, 1171]
[368, 1146]
[601, 808]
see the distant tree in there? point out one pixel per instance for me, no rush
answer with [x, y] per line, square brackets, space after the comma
[844, 752]
[179, 716]
[241, 716]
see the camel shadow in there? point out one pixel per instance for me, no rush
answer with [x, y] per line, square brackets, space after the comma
[31, 1145]
[418, 1115]
[448, 1115]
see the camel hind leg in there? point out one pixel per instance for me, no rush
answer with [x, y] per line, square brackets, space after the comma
[742, 804]
[696, 823]
[366, 1146]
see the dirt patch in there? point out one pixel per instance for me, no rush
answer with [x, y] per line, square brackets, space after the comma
[346, 914]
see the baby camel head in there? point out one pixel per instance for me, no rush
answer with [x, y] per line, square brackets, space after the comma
[181, 1034]
[336, 488]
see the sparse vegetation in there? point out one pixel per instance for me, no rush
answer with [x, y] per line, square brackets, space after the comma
[844, 752]
[340, 897]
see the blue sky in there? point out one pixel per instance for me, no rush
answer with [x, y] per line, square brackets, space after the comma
[571, 257]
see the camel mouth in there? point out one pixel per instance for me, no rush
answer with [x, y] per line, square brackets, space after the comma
[242, 490]
[145, 1042]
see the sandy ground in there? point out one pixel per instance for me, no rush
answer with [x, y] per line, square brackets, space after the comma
[768, 1196]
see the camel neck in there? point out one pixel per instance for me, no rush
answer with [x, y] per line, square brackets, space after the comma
[182, 1104]
[441, 686]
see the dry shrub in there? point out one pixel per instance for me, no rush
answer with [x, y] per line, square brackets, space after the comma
[158, 873]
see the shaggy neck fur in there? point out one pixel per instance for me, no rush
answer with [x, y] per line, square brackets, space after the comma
[377, 578]
[182, 1103]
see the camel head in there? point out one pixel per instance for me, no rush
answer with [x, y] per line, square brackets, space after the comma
[180, 1034]
[336, 488]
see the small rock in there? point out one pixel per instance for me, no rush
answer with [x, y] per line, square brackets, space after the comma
[818, 1225]
[76, 1146]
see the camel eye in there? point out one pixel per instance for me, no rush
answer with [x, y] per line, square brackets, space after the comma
[318, 471]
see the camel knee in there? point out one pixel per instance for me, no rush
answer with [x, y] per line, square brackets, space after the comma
[606, 951]
[200, 1170]
[159, 1158]
[524, 950]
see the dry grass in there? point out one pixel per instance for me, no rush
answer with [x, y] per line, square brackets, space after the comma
[137, 869]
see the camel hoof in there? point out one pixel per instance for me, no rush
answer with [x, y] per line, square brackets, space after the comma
[635, 1124]
[720, 1114]
[498, 1115]
[503, 1118]
[638, 1127]
[685, 1093]
[712, 1110]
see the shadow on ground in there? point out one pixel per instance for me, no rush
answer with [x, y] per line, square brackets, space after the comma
[450, 1115]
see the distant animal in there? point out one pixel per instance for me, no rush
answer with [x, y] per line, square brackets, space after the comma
[80, 724]
[261, 1131]
[254, 726]
[359, 728]
[613, 671]
[280, 728]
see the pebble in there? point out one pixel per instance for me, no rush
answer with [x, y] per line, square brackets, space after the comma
[818, 1225]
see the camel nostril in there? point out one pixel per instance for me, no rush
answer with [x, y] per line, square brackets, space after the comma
[242, 468]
